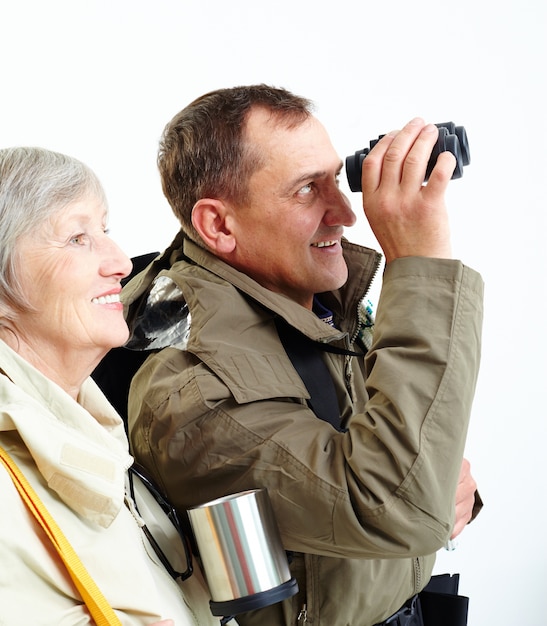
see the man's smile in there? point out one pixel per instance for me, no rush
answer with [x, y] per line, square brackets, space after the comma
[325, 244]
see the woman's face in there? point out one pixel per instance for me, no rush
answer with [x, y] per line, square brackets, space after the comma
[70, 271]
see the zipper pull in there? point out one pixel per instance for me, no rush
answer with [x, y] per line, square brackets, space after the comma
[303, 615]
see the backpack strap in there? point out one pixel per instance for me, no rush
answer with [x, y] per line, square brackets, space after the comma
[305, 355]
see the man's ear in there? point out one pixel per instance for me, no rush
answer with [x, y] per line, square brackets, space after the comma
[212, 220]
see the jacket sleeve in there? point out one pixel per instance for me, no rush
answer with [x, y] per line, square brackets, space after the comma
[421, 376]
[383, 489]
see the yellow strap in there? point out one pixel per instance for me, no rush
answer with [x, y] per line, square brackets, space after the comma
[98, 606]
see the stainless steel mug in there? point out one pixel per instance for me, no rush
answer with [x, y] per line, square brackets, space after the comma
[239, 544]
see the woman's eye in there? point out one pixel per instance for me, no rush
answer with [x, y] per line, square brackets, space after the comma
[78, 240]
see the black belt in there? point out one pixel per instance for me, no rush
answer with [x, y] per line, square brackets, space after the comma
[409, 614]
[438, 603]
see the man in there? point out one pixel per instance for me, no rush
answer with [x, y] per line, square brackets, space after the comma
[260, 272]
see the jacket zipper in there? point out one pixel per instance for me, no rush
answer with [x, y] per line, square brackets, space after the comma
[303, 615]
[377, 262]
[417, 575]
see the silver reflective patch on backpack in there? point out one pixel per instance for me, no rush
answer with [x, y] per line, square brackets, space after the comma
[163, 320]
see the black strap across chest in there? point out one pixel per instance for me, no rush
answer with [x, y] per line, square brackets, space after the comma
[308, 362]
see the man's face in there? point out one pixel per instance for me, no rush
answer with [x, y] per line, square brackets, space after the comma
[288, 231]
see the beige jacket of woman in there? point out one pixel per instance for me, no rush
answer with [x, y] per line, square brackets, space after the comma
[75, 455]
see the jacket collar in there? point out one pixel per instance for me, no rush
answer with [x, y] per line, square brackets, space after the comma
[189, 287]
[362, 264]
[80, 448]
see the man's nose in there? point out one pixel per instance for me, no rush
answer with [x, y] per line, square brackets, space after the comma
[339, 212]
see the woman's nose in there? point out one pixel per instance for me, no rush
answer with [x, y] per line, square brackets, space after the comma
[115, 261]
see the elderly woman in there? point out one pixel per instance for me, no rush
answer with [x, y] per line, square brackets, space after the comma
[60, 313]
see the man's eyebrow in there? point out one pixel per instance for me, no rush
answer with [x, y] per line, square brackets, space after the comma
[312, 176]
[308, 176]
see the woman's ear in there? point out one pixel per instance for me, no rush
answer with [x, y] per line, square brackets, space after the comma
[211, 218]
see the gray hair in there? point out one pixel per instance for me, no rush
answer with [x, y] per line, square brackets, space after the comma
[34, 185]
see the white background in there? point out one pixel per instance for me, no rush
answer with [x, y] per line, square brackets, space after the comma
[99, 80]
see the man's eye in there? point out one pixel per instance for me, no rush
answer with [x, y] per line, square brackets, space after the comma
[305, 189]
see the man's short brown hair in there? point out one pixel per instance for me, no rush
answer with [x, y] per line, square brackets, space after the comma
[203, 150]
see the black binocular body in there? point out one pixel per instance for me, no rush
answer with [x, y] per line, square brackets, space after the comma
[451, 138]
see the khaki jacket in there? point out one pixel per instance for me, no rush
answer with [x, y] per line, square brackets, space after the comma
[75, 456]
[364, 510]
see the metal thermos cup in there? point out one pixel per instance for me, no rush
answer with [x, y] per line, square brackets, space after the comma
[240, 548]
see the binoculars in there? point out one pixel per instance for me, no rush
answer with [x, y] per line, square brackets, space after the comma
[451, 138]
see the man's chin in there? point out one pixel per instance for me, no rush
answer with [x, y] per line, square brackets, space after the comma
[336, 282]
